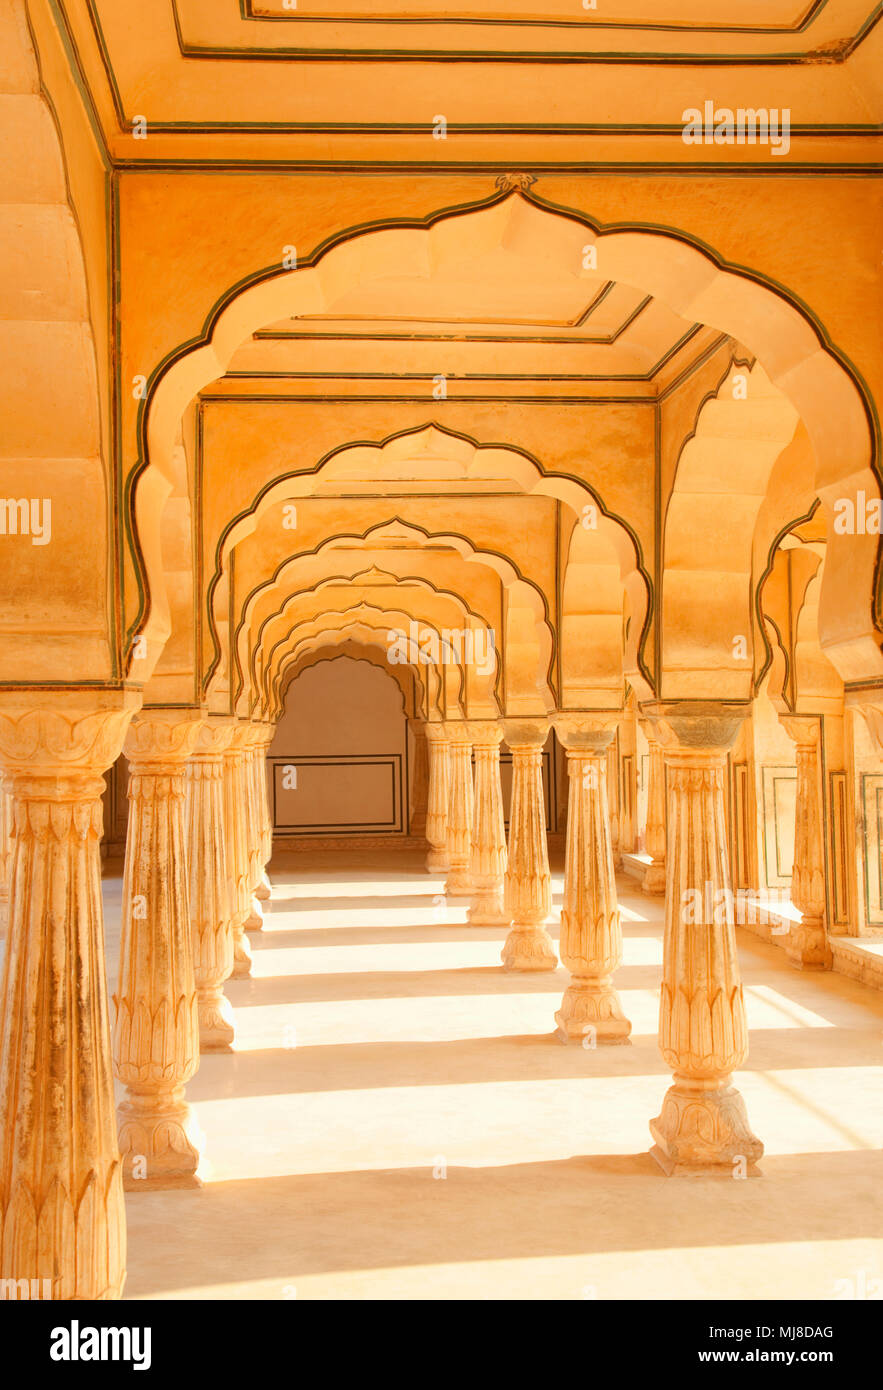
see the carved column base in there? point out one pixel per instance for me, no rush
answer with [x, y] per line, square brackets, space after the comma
[459, 883]
[159, 1140]
[437, 861]
[591, 1010]
[806, 945]
[264, 888]
[529, 948]
[654, 879]
[703, 1130]
[242, 958]
[217, 1028]
[487, 908]
[255, 919]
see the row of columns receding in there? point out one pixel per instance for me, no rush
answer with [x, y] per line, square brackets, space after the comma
[199, 838]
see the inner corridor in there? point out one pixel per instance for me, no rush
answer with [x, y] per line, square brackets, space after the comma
[399, 1119]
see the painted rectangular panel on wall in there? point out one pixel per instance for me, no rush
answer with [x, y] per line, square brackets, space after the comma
[872, 804]
[338, 795]
[779, 807]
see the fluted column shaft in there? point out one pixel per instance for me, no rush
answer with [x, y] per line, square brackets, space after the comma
[460, 813]
[237, 848]
[591, 936]
[265, 819]
[527, 889]
[438, 795]
[654, 836]
[807, 943]
[703, 1126]
[5, 854]
[156, 1029]
[62, 1216]
[252, 829]
[211, 916]
[489, 853]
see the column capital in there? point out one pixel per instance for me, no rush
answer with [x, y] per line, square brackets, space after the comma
[45, 734]
[436, 732]
[803, 729]
[213, 739]
[163, 734]
[706, 728]
[526, 733]
[587, 733]
[457, 731]
[485, 733]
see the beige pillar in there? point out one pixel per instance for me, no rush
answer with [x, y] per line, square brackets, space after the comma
[460, 811]
[807, 941]
[654, 835]
[591, 937]
[5, 855]
[613, 800]
[528, 884]
[265, 817]
[156, 1030]
[489, 857]
[62, 1215]
[420, 781]
[703, 1126]
[211, 915]
[237, 851]
[253, 831]
[439, 748]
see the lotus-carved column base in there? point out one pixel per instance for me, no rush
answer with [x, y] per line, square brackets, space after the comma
[264, 888]
[487, 908]
[654, 879]
[437, 861]
[529, 947]
[807, 946]
[242, 957]
[255, 919]
[592, 1013]
[703, 1131]
[217, 1026]
[159, 1140]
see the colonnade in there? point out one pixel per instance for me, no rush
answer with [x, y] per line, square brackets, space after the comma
[199, 839]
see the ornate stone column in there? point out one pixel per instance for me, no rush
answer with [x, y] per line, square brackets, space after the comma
[5, 855]
[460, 811]
[528, 885]
[439, 748]
[591, 937]
[807, 941]
[211, 916]
[613, 800]
[252, 829]
[156, 1030]
[61, 1197]
[265, 819]
[654, 838]
[419, 808]
[703, 1126]
[489, 857]
[237, 850]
